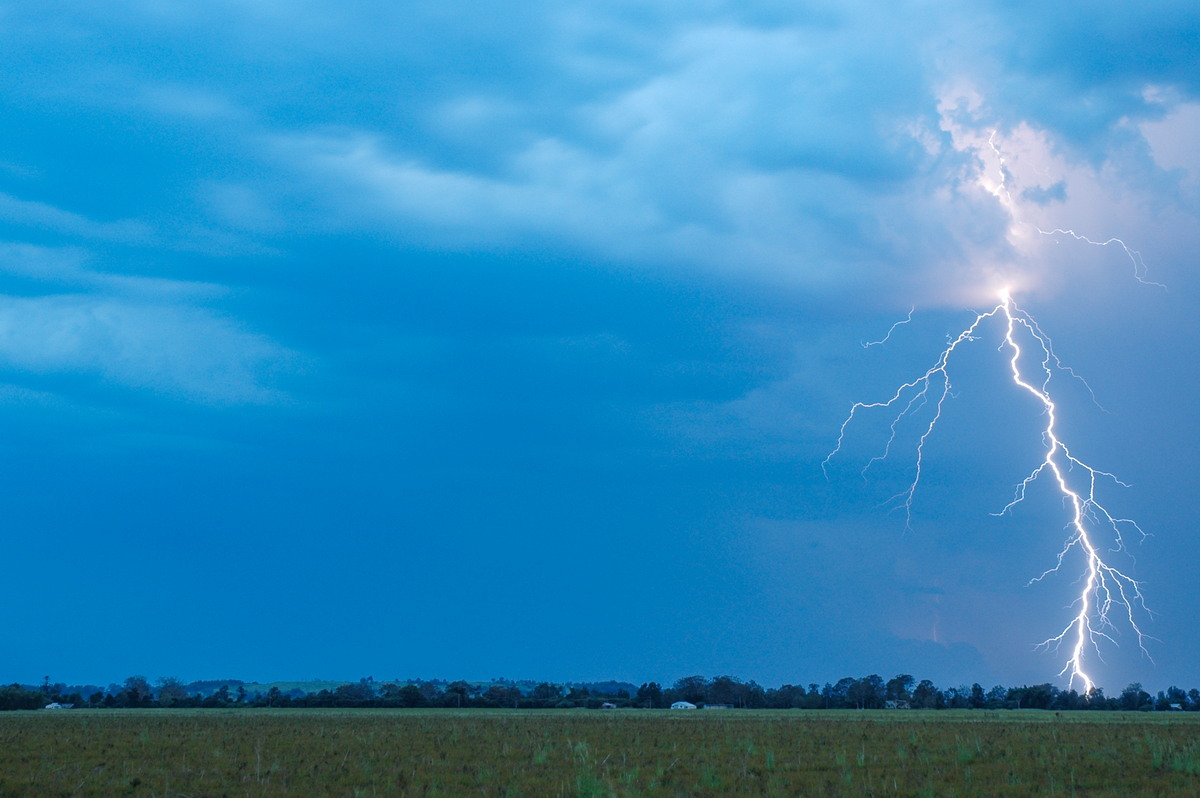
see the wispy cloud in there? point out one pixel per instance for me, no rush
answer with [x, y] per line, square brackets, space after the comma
[181, 352]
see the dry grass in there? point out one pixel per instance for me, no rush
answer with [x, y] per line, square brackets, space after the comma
[579, 753]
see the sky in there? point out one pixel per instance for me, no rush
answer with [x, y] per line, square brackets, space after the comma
[476, 340]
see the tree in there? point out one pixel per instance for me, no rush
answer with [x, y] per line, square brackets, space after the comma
[899, 688]
[839, 693]
[546, 692]
[354, 694]
[755, 695]
[135, 692]
[927, 696]
[431, 690]
[501, 696]
[1176, 696]
[411, 696]
[170, 691]
[1038, 696]
[789, 696]
[17, 697]
[726, 690]
[650, 695]
[958, 697]
[693, 689]
[456, 694]
[1134, 697]
[866, 693]
[220, 698]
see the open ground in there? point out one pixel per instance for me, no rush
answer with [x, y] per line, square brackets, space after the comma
[596, 753]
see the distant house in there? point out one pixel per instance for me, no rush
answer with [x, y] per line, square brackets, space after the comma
[1177, 707]
[608, 705]
[683, 705]
[897, 704]
[56, 705]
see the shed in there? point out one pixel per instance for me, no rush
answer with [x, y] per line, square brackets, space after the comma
[683, 705]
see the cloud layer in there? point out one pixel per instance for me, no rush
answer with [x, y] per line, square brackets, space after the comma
[569, 285]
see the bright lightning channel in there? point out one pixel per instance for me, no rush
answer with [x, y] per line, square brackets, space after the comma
[1106, 592]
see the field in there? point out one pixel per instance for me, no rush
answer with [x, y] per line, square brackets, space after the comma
[595, 753]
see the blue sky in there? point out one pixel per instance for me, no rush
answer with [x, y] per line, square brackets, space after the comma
[504, 339]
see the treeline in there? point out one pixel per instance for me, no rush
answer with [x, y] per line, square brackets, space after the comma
[868, 692]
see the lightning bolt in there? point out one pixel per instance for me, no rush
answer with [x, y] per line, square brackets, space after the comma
[886, 338]
[1135, 257]
[1106, 593]
[1000, 191]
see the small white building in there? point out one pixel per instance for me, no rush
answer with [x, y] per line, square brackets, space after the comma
[56, 705]
[683, 705]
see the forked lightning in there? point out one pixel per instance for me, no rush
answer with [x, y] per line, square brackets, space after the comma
[1106, 593]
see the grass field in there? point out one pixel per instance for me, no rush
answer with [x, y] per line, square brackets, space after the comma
[595, 753]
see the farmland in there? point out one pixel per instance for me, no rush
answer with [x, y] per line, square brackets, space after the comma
[581, 753]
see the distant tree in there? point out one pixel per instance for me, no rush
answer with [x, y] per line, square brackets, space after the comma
[545, 691]
[650, 696]
[1038, 696]
[1176, 695]
[219, 698]
[354, 694]
[693, 689]
[411, 696]
[457, 694]
[1134, 697]
[1068, 700]
[788, 696]
[866, 693]
[135, 692]
[432, 691]
[170, 691]
[958, 697]
[927, 696]
[17, 697]
[496, 695]
[755, 695]
[839, 694]
[513, 696]
[726, 690]
[978, 699]
[899, 688]
[1095, 699]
